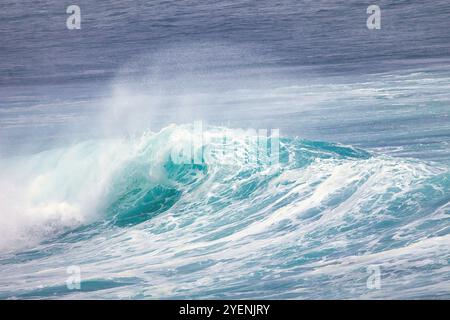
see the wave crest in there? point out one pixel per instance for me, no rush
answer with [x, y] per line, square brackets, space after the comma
[131, 180]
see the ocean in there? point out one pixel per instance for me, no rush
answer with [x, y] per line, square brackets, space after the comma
[329, 175]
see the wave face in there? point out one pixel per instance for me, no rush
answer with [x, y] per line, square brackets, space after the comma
[144, 226]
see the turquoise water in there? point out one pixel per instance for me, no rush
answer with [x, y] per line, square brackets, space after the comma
[140, 226]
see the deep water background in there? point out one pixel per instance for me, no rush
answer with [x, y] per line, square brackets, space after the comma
[52, 77]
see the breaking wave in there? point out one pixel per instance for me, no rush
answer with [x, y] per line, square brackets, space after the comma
[321, 213]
